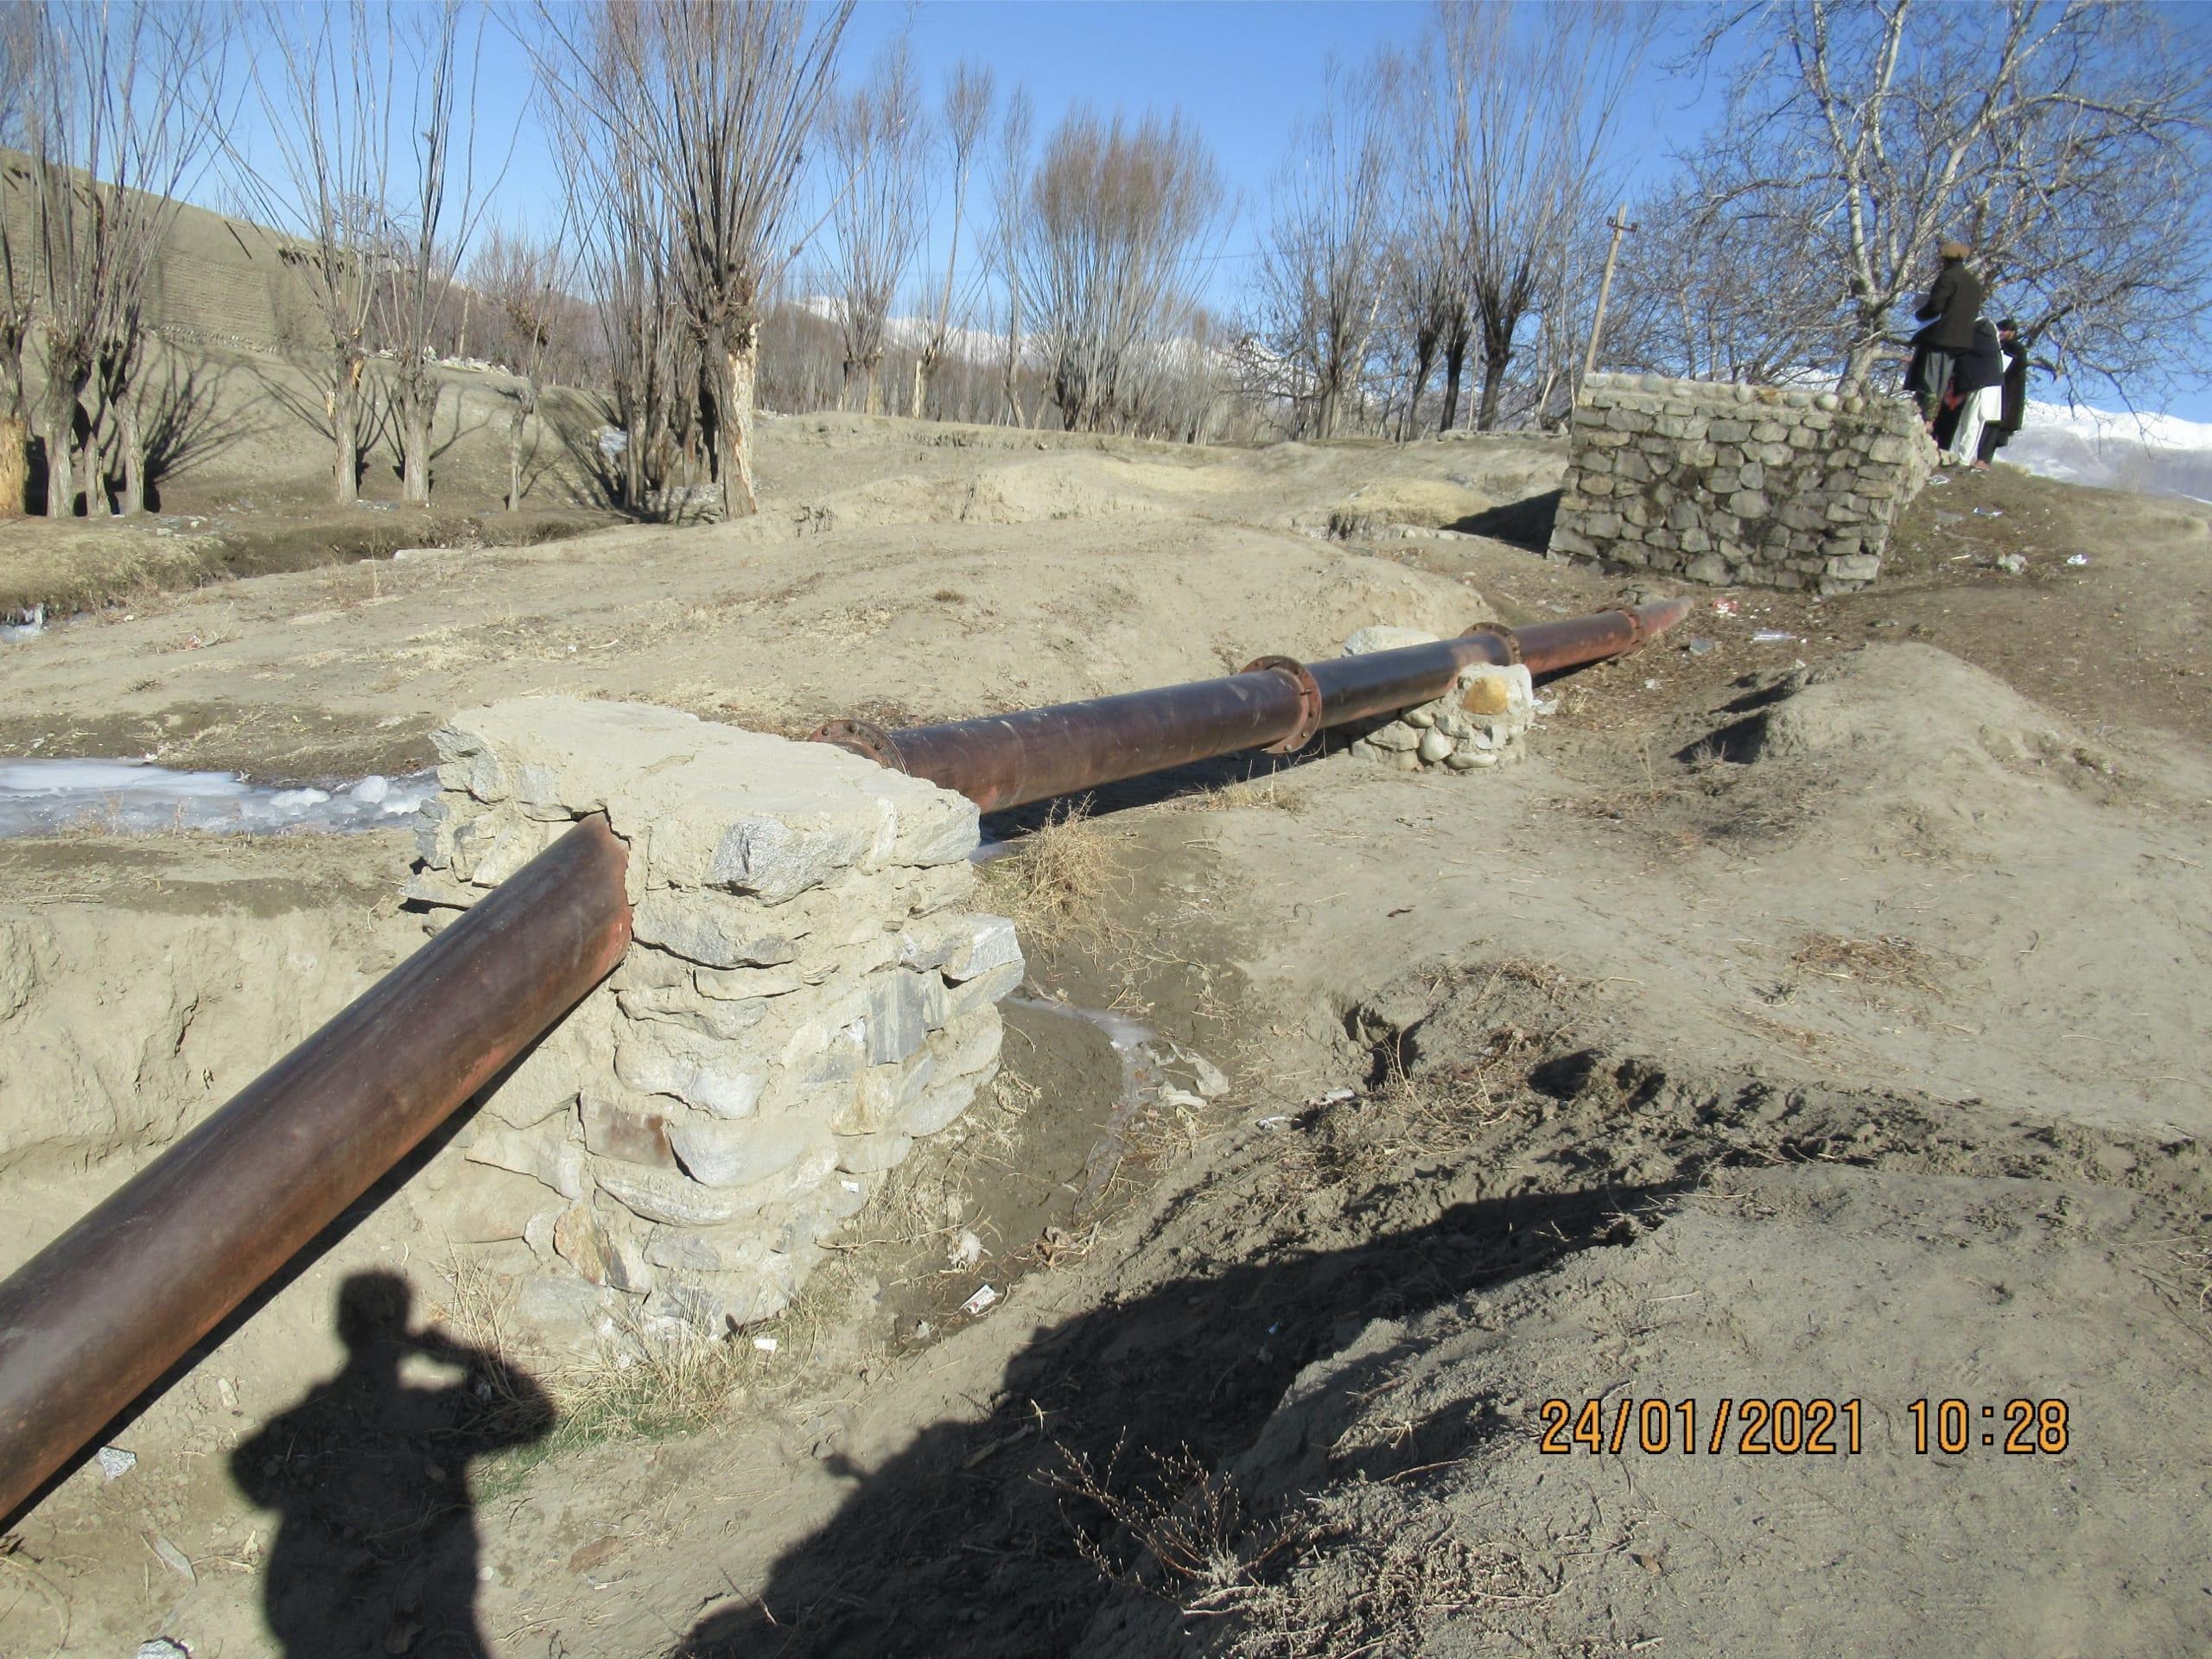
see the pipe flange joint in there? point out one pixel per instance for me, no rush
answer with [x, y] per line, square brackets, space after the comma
[1309, 700]
[1512, 640]
[1634, 627]
[862, 737]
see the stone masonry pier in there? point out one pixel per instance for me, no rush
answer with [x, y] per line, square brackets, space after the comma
[1725, 483]
[807, 997]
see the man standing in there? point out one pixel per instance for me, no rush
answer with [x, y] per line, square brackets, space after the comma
[1950, 309]
[2012, 406]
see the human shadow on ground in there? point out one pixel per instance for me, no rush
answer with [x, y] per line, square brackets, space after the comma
[376, 1548]
[984, 1537]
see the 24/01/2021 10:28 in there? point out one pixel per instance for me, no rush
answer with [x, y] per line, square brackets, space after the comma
[1789, 1426]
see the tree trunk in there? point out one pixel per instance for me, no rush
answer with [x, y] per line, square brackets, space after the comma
[872, 387]
[924, 363]
[739, 497]
[88, 466]
[1424, 361]
[514, 458]
[15, 466]
[1455, 363]
[1858, 368]
[1493, 385]
[344, 406]
[61, 495]
[131, 441]
[419, 410]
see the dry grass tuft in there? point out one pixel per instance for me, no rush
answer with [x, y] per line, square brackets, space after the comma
[1175, 1528]
[1889, 960]
[1062, 884]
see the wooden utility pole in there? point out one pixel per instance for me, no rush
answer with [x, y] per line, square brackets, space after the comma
[1621, 227]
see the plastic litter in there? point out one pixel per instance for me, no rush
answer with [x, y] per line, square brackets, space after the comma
[966, 1249]
[1773, 637]
[2077, 558]
[1547, 706]
[1699, 647]
[115, 1462]
[982, 1299]
[1279, 1121]
[766, 1344]
[1336, 1096]
[1725, 606]
[163, 1647]
[1651, 685]
[1988, 512]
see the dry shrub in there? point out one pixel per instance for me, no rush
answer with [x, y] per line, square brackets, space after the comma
[1175, 1528]
[1060, 886]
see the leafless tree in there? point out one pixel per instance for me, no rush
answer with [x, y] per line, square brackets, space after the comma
[966, 109]
[877, 142]
[327, 86]
[2065, 141]
[1010, 197]
[717, 100]
[432, 226]
[1320, 277]
[1526, 108]
[18, 283]
[1119, 219]
[521, 282]
[123, 102]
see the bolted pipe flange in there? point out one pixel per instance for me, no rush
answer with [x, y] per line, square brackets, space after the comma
[862, 737]
[1512, 640]
[1309, 700]
[1634, 626]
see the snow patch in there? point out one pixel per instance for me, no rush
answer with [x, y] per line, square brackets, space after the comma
[39, 797]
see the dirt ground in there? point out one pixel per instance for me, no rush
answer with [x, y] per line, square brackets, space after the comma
[1812, 1020]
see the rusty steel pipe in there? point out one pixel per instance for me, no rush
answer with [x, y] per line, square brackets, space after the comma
[1005, 761]
[101, 1312]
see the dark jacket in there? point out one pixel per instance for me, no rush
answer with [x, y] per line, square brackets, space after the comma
[1982, 363]
[2016, 386]
[1951, 308]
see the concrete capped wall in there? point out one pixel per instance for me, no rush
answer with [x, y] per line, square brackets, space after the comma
[807, 997]
[1726, 483]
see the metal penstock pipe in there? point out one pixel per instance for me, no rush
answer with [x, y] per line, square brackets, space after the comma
[1003, 760]
[100, 1314]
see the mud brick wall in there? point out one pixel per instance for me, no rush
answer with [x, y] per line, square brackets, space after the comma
[1723, 483]
[808, 995]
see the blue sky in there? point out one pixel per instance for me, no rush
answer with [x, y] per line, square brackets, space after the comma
[1244, 73]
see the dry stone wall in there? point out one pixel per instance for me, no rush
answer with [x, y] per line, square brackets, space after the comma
[807, 996]
[1482, 721]
[1724, 483]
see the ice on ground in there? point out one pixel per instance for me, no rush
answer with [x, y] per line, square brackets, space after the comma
[40, 797]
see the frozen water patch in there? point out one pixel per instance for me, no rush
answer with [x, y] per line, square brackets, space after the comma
[40, 797]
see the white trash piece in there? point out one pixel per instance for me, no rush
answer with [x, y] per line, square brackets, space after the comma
[115, 1462]
[2077, 558]
[982, 1299]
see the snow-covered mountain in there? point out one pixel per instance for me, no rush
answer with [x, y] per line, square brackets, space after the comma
[2155, 454]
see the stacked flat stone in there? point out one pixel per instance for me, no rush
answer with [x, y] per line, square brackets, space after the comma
[807, 995]
[1725, 483]
[1482, 721]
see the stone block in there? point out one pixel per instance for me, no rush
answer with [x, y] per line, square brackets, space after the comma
[717, 1154]
[1709, 568]
[1748, 504]
[545, 1153]
[1624, 419]
[669, 1196]
[633, 1130]
[544, 1081]
[983, 989]
[871, 1154]
[717, 1078]
[601, 1256]
[1856, 567]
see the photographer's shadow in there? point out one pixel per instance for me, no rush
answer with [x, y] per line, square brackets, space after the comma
[376, 1548]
